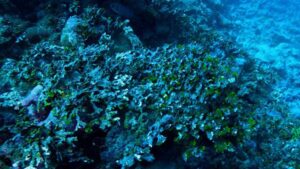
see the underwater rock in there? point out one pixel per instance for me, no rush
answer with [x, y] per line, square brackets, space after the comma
[69, 36]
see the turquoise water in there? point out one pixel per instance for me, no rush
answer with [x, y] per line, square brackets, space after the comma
[150, 84]
[269, 30]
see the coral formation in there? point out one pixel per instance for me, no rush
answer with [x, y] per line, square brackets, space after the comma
[123, 84]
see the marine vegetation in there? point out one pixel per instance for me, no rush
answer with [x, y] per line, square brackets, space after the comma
[93, 88]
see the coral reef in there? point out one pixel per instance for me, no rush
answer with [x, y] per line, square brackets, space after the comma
[135, 85]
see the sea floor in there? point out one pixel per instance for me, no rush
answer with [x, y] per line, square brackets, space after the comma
[269, 30]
